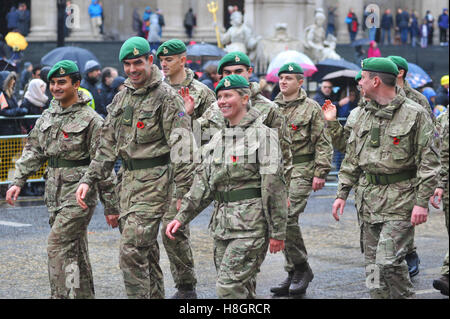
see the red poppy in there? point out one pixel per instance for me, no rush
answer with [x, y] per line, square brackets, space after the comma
[294, 127]
[140, 124]
[234, 159]
[396, 141]
[65, 134]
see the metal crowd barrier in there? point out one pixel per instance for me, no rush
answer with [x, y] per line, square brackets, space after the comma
[11, 147]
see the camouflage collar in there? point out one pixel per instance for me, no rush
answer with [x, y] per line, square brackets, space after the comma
[301, 97]
[387, 111]
[252, 115]
[154, 80]
[255, 89]
[186, 82]
[56, 108]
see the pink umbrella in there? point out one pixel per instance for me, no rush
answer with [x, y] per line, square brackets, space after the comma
[290, 56]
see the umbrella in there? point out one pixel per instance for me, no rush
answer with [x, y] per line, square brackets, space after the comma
[416, 76]
[7, 65]
[291, 56]
[16, 41]
[210, 62]
[343, 78]
[204, 49]
[328, 66]
[361, 42]
[78, 55]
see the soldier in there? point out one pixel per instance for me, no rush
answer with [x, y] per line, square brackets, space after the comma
[249, 190]
[412, 257]
[142, 129]
[312, 153]
[391, 144]
[197, 97]
[441, 191]
[67, 135]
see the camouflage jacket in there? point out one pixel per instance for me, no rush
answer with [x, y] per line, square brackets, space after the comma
[308, 135]
[406, 142]
[152, 129]
[203, 96]
[72, 133]
[225, 169]
[417, 97]
[443, 124]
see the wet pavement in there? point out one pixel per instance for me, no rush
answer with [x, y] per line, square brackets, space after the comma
[333, 249]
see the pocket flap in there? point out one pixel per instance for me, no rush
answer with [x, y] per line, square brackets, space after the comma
[400, 129]
[75, 127]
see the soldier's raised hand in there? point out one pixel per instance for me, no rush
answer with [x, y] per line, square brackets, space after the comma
[329, 111]
[189, 102]
[12, 194]
[81, 194]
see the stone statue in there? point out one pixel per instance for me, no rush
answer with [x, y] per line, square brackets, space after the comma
[316, 46]
[278, 43]
[239, 37]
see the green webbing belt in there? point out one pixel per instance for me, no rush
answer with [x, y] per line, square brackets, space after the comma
[302, 158]
[237, 195]
[56, 162]
[391, 178]
[134, 164]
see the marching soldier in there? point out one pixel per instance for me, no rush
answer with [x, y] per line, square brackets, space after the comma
[392, 145]
[197, 98]
[312, 153]
[67, 135]
[248, 186]
[144, 128]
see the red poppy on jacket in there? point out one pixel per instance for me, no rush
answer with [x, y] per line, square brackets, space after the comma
[234, 159]
[396, 141]
[294, 127]
[140, 125]
[65, 134]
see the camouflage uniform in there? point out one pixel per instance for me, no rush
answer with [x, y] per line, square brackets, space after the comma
[312, 153]
[240, 225]
[141, 129]
[67, 138]
[179, 250]
[443, 125]
[390, 145]
[417, 97]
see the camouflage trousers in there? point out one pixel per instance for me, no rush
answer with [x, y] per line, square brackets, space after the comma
[385, 247]
[237, 262]
[295, 251]
[139, 255]
[69, 268]
[179, 251]
[445, 267]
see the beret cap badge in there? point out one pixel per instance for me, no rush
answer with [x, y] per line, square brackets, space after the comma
[226, 83]
[135, 51]
[165, 51]
[237, 59]
[62, 71]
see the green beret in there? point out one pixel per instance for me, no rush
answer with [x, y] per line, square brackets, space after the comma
[233, 58]
[134, 47]
[292, 68]
[400, 62]
[63, 68]
[381, 65]
[233, 81]
[358, 76]
[171, 47]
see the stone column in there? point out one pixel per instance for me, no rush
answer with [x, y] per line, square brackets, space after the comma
[83, 32]
[173, 16]
[43, 21]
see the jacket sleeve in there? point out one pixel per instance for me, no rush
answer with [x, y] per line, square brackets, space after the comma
[427, 160]
[32, 157]
[338, 135]
[198, 198]
[106, 188]
[444, 152]
[322, 145]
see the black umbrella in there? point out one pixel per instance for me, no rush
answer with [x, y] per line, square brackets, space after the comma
[344, 79]
[78, 55]
[204, 49]
[328, 65]
[7, 65]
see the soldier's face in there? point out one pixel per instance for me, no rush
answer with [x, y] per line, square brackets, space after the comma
[172, 64]
[239, 70]
[63, 89]
[367, 85]
[231, 103]
[289, 84]
[138, 70]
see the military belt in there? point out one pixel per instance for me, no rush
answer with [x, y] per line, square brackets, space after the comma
[303, 158]
[134, 164]
[391, 178]
[55, 162]
[237, 195]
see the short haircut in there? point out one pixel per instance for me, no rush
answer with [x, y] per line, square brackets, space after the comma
[75, 77]
[387, 78]
[36, 68]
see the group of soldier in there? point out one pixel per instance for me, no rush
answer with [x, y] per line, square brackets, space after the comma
[392, 162]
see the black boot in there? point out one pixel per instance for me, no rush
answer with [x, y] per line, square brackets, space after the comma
[441, 284]
[185, 292]
[283, 288]
[413, 261]
[303, 275]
